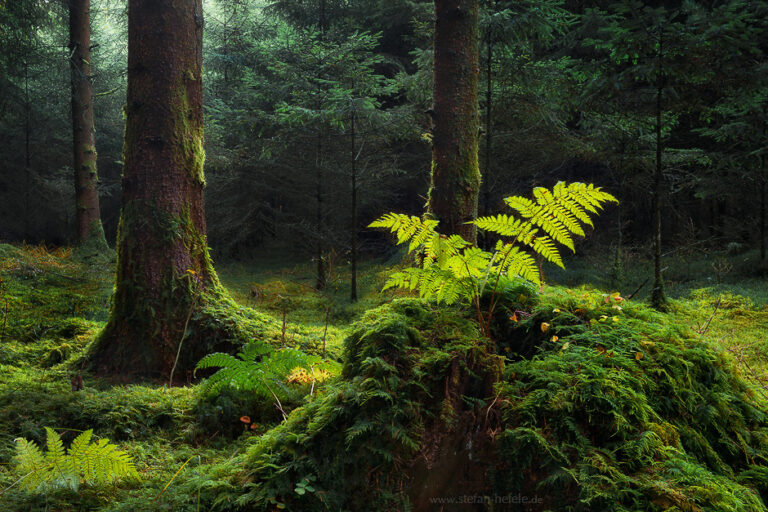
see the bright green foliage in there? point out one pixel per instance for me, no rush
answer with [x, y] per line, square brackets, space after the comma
[256, 367]
[620, 411]
[98, 463]
[354, 442]
[453, 270]
[613, 408]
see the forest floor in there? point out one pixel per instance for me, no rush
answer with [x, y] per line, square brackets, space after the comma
[52, 304]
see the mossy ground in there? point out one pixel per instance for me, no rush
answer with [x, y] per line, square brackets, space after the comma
[680, 427]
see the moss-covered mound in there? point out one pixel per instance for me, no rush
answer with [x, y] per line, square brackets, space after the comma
[410, 376]
[609, 409]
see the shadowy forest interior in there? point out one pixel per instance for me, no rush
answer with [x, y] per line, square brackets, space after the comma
[365, 255]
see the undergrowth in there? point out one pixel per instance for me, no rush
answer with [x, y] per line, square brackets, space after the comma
[580, 398]
[614, 407]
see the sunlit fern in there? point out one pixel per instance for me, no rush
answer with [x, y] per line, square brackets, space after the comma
[95, 464]
[257, 368]
[451, 270]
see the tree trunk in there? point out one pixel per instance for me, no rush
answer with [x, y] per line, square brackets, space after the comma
[320, 280]
[89, 228]
[165, 278]
[762, 209]
[353, 256]
[485, 185]
[27, 152]
[658, 297]
[455, 186]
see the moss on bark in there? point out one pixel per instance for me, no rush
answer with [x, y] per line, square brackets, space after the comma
[455, 184]
[166, 286]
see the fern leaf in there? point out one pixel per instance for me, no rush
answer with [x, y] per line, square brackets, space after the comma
[93, 463]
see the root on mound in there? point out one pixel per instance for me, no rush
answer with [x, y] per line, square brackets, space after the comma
[613, 410]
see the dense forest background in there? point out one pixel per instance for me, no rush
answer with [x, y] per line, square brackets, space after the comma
[307, 101]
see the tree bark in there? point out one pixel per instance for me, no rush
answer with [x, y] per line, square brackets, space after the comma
[353, 256]
[453, 195]
[320, 280]
[89, 226]
[762, 209]
[165, 276]
[658, 296]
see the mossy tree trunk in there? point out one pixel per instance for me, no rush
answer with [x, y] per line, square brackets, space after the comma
[164, 271]
[455, 186]
[89, 228]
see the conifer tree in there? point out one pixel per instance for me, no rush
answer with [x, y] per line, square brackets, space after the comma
[453, 195]
[89, 226]
[165, 277]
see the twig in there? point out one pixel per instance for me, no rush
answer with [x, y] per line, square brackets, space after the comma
[638, 289]
[174, 477]
[282, 337]
[178, 352]
[5, 320]
[278, 404]
[312, 390]
[325, 332]
[106, 93]
[705, 329]
[15, 483]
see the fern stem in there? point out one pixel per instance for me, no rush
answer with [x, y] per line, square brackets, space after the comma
[174, 477]
[14, 484]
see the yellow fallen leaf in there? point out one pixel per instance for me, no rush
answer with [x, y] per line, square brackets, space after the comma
[638, 356]
[544, 326]
[555, 338]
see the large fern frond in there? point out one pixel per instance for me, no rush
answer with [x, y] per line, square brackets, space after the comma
[255, 368]
[97, 463]
[561, 212]
[450, 269]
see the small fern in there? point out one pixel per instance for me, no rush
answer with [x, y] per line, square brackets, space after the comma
[452, 270]
[253, 369]
[96, 464]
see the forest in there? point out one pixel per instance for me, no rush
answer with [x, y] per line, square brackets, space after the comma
[368, 255]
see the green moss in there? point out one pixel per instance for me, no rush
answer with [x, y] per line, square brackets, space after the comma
[355, 440]
[613, 408]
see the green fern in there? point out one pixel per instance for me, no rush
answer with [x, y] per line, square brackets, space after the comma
[97, 464]
[452, 270]
[253, 369]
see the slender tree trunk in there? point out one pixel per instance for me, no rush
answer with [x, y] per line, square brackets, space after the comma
[762, 209]
[319, 177]
[453, 195]
[658, 296]
[353, 283]
[27, 152]
[89, 226]
[165, 278]
[617, 272]
[321, 281]
[486, 185]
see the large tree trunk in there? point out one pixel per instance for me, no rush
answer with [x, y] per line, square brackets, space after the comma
[455, 173]
[164, 273]
[89, 228]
